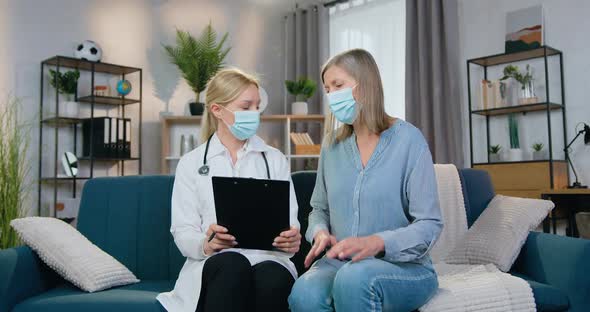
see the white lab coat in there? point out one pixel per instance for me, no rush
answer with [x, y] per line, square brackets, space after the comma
[193, 210]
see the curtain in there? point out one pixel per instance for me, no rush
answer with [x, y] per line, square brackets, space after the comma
[433, 101]
[306, 48]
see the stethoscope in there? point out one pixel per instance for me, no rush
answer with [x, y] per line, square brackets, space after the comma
[204, 169]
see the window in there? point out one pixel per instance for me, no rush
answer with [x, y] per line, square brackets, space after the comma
[378, 26]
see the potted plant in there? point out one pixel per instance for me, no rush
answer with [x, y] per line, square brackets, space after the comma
[14, 143]
[198, 60]
[538, 153]
[67, 85]
[515, 153]
[302, 89]
[527, 92]
[495, 153]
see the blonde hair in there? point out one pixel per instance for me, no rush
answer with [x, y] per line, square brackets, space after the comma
[361, 66]
[223, 88]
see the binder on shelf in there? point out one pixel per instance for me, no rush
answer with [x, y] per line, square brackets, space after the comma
[99, 127]
[127, 139]
[120, 137]
[113, 138]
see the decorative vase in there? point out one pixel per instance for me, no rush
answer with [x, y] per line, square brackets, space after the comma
[527, 93]
[539, 155]
[515, 154]
[196, 108]
[494, 158]
[182, 145]
[191, 143]
[299, 108]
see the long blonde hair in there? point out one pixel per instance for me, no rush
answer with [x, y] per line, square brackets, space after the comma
[361, 66]
[222, 89]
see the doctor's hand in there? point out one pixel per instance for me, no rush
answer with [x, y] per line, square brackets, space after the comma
[321, 241]
[221, 240]
[288, 241]
[357, 247]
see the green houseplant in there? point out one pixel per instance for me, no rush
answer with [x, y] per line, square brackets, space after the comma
[302, 88]
[515, 152]
[66, 84]
[198, 59]
[494, 151]
[538, 153]
[526, 81]
[14, 143]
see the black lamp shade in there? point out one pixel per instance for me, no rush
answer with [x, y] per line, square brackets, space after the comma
[587, 134]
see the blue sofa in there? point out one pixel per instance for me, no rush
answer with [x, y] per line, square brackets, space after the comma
[129, 218]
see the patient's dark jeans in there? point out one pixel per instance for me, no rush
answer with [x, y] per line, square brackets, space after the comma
[230, 283]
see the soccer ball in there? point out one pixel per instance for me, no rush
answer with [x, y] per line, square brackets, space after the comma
[89, 51]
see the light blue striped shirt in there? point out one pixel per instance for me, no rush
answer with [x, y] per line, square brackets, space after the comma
[395, 196]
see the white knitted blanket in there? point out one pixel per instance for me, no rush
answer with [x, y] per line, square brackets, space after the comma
[467, 288]
[464, 288]
[452, 208]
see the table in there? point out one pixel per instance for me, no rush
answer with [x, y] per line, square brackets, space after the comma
[569, 200]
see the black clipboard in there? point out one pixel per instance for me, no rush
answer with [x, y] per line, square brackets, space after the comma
[255, 211]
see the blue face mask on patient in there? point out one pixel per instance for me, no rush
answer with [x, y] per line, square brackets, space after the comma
[343, 105]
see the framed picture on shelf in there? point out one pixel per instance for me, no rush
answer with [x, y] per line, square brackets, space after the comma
[524, 29]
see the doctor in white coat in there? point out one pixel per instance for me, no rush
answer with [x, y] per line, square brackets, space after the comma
[216, 276]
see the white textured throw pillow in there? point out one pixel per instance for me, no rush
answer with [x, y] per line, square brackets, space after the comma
[500, 232]
[71, 254]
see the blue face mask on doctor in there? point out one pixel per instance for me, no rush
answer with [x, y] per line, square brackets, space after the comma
[343, 105]
[245, 123]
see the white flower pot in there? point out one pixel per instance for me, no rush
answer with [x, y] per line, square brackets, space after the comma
[299, 108]
[540, 155]
[494, 158]
[515, 154]
[69, 109]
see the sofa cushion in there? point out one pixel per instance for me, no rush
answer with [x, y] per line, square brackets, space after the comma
[478, 191]
[507, 220]
[547, 297]
[303, 182]
[129, 298]
[129, 218]
[71, 255]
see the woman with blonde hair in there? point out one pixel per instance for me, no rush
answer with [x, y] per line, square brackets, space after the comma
[375, 203]
[217, 276]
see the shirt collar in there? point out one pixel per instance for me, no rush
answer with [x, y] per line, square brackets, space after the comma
[254, 143]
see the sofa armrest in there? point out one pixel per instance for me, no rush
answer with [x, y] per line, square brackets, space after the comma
[22, 275]
[562, 262]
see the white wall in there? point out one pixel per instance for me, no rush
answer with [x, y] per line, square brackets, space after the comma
[131, 33]
[482, 27]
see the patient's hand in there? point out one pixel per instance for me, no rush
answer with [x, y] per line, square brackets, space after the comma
[221, 240]
[358, 248]
[321, 241]
[288, 241]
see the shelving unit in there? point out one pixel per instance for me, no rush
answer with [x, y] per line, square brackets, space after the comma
[168, 122]
[73, 124]
[525, 178]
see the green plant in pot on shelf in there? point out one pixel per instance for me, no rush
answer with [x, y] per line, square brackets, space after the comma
[515, 153]
[302, 88]
[494, 151]
[538, 152]
[66, 84]
[198, 59]
[14, 143]
[526, 81]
